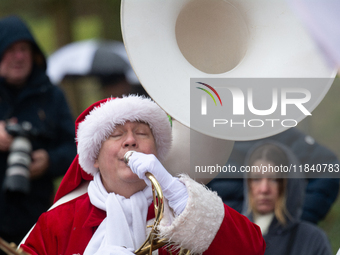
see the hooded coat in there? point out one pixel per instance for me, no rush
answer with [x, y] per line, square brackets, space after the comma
[44, 106]
[297, 236]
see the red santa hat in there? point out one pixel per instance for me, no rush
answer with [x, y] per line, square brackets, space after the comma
[96, 124]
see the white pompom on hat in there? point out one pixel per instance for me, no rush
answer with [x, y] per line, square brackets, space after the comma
[101, 121]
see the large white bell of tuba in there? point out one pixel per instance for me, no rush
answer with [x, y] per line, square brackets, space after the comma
[169, 42]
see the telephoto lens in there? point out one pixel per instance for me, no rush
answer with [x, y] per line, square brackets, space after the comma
[18, 161]
[17, 178]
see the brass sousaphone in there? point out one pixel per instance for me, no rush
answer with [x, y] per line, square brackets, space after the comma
[169, 42]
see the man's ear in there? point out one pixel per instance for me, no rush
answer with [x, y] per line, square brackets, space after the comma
[96, 164]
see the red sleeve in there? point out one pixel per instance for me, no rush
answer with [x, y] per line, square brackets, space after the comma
[237, 236]
[62, 230]
[36, 243]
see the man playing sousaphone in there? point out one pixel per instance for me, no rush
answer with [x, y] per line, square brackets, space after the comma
[111, 218]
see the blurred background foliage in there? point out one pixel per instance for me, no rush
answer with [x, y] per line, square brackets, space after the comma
[59, 22]
[56, 23]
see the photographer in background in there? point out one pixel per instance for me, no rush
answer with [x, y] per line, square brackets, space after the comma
[37, 112]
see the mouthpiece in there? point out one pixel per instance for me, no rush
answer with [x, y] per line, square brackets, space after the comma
[127, 156]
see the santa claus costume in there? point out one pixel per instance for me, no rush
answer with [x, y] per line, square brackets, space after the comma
[99, 222]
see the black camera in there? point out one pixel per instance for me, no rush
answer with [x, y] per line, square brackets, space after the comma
[19, 158]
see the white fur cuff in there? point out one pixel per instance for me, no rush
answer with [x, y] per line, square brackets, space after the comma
[196, 227]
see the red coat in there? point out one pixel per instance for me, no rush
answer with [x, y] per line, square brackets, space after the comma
[68, 228]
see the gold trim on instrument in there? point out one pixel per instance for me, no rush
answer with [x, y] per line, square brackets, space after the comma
[11, 248]
[152, 242]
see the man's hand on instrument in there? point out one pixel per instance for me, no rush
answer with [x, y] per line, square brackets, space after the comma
[174, 190]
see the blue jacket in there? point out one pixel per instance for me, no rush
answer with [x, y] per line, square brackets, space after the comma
[320, 193]
[45, 107]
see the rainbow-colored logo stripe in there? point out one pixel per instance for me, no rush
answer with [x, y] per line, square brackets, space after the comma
[209, 93]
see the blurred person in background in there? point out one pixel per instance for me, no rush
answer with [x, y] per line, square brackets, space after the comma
[35, 115]
[274, 203]
[321, 193]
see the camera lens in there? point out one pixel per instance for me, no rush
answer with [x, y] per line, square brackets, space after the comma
[18, 161]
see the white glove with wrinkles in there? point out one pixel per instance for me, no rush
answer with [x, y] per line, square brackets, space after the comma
[174, 190]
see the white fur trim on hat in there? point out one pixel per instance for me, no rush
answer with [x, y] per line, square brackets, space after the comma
[101, 121]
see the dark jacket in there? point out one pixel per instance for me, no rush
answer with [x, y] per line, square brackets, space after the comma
[320, 193]
[297, 236]
[45, 107]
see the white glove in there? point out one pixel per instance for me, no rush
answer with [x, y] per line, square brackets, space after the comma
[174, 190]
[114, 250]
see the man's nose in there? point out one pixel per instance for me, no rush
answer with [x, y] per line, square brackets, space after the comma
[130, 140]
[19, 54]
